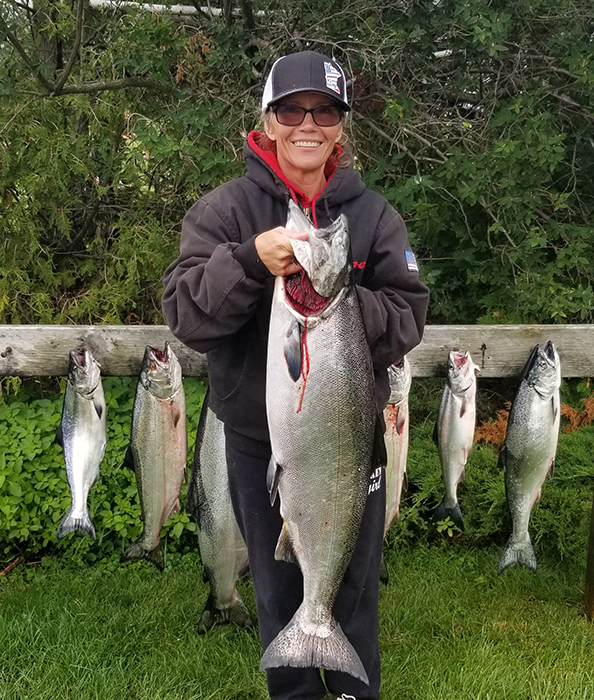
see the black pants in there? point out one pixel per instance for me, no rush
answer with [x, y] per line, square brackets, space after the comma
[278, 585]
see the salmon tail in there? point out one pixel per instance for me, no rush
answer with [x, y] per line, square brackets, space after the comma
[295, 647]
[136, 552]
[455, 514]
[237, 613]
[518, 553]
[72, 524]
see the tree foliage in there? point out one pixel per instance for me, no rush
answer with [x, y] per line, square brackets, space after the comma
[473, 118]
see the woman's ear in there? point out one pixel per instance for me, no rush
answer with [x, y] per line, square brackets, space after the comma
[268, 129]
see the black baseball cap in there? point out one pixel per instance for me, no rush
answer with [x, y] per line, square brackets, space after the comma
[306, 71]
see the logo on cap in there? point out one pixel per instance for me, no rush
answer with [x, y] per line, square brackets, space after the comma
[332, 76]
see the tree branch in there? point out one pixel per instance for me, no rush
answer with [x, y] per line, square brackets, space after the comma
[392, 140]
[80, 13]
[23, 54]
[90, 88]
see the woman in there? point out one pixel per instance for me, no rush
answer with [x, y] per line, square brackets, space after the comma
[217, 300]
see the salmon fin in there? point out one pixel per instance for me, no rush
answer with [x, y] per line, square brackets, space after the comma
[400, 420]
[70, 524]
[195, 486]
[284, 547]
[98, 407]
[294, 647]
[517, 553]
[129, 457]
[60, 436]
[135, 552]
[455, 514]
[176, 415]
[236, 613]
[404, 486]
[379, 454]
[552, 469]
[192, 496]
[555, 407]
[272, 477]
[292, 350]
[501, 462]
[174, 510]
[435, 434]
[383, 572]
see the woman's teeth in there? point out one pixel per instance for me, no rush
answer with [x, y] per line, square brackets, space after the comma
[307, 144]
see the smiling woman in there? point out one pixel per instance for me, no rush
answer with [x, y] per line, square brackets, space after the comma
[305, 128]
[217, 300]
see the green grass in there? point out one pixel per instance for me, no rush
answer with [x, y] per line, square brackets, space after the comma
[451, 628]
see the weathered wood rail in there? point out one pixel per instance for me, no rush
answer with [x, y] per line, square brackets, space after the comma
[500, 350]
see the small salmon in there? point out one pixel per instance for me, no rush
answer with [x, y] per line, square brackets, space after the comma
[158, 448]
[454, 431]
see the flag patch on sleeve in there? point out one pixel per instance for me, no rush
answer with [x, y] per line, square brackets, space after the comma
[411, 261]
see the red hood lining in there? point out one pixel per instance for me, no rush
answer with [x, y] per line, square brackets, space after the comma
[265, 148]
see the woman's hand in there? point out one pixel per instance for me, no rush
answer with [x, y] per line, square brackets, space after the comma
[276, 252]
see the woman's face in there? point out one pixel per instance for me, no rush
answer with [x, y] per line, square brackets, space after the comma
[303, 150]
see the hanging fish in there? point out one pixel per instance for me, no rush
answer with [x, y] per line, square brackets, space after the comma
[396, 437]
[528, 453]
[83, 436]
[454, 431]
[158, 448]
[222, 549]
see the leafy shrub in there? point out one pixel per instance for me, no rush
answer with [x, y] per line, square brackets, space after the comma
[34, 493]
[559, 522]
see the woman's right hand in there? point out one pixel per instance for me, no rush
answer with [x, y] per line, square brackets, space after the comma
[276, 252]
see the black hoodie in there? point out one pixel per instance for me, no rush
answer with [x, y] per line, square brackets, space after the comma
[218, 293]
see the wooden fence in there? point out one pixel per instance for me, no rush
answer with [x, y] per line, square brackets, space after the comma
[499, 350]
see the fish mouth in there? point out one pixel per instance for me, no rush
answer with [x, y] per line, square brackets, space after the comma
[301, 295]
[78, 357]
[549, 351]
[459, 359]
[158, 358]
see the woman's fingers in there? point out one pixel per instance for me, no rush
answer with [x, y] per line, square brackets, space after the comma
[276, 252]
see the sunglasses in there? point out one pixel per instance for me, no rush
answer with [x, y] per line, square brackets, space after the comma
[293, 115]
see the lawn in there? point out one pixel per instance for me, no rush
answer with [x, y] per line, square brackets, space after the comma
[79, 625]
[451, 628]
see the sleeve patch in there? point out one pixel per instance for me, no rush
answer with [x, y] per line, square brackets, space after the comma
[411, 261]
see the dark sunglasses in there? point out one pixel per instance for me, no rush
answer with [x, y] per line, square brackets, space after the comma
[293, 115]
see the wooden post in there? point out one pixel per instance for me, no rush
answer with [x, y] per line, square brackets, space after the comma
[589, 594]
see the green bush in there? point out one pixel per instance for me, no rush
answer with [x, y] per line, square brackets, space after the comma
[34, 493]
[559, 522]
